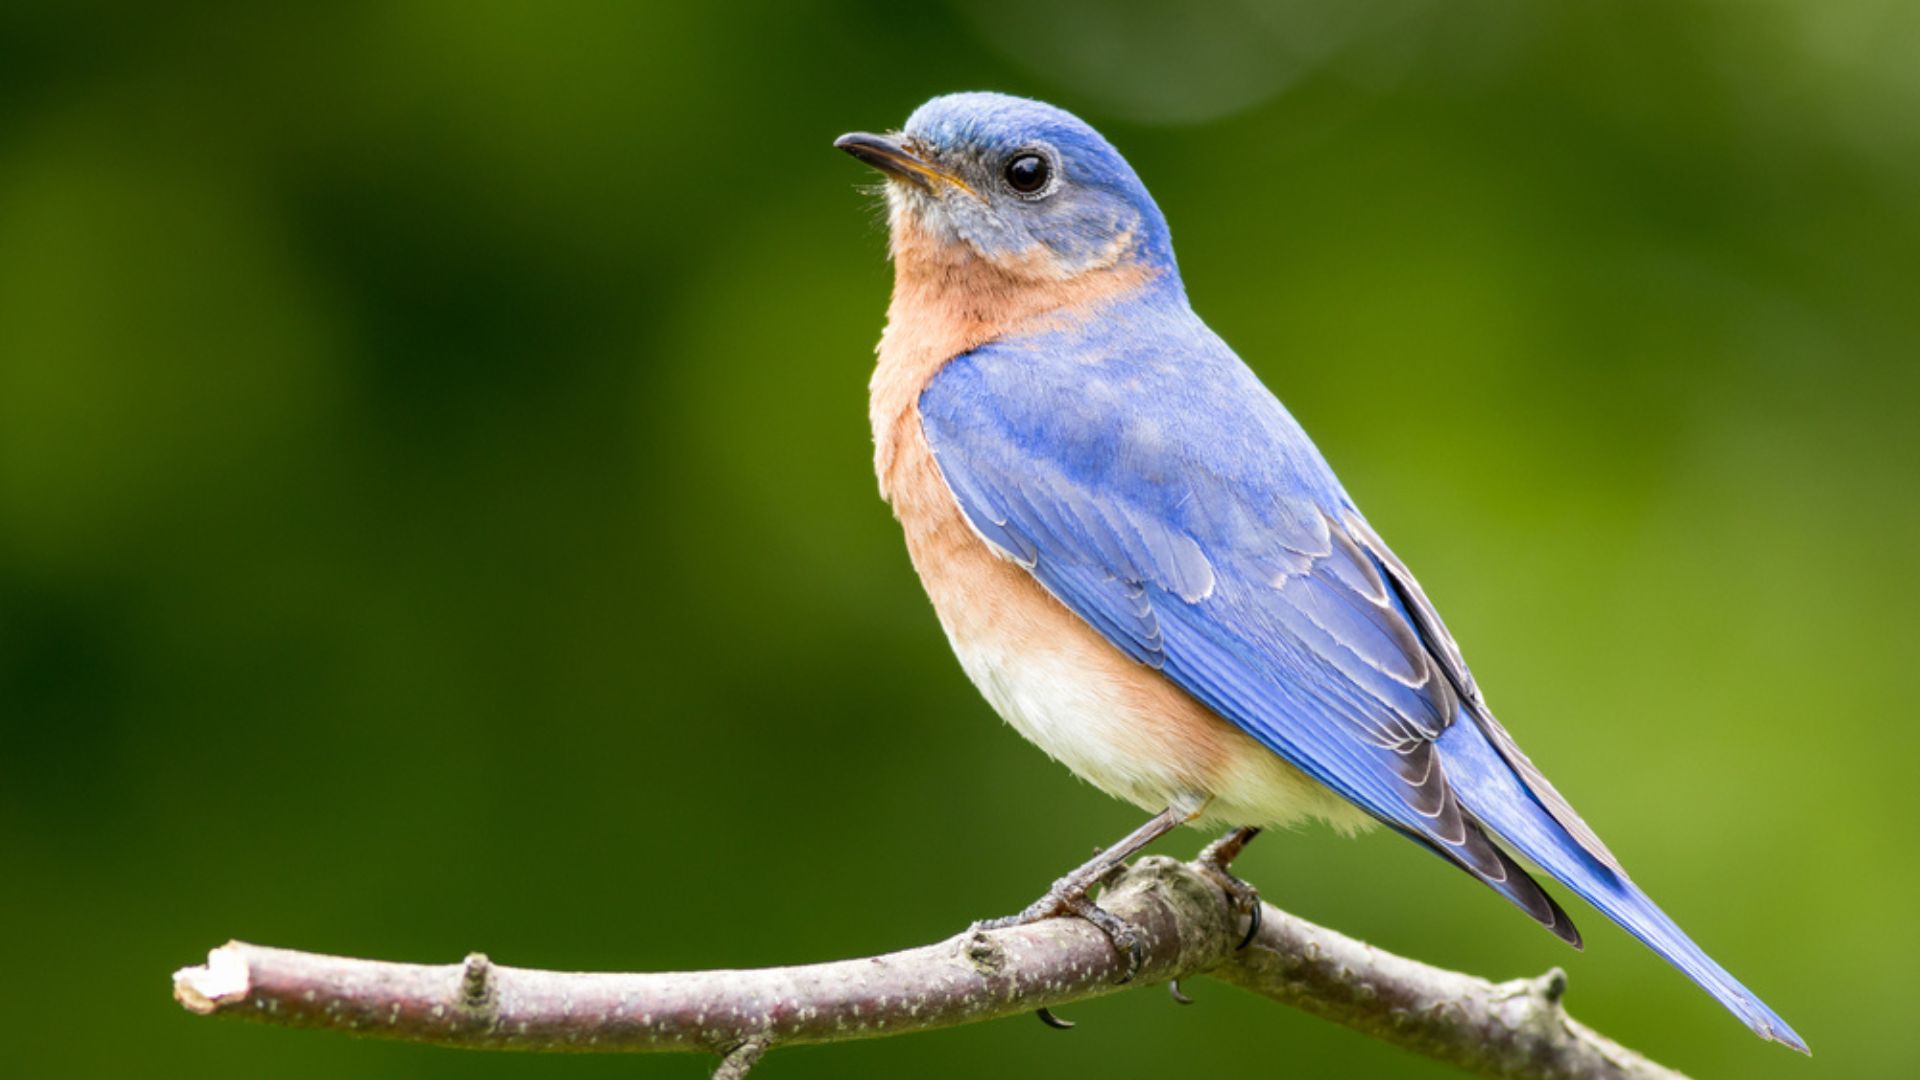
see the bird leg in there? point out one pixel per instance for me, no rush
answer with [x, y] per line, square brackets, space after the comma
[1214, 860]
[1068, 896]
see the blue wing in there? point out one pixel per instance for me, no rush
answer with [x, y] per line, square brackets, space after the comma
[1149, 481]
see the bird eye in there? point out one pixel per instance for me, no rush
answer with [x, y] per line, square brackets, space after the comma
[1027, 172]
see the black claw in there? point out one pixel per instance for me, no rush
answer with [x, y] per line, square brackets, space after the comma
[1046, 1017]
[1253, 925]
[1173, 988]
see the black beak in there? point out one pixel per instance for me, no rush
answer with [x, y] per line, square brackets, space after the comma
[891, 156]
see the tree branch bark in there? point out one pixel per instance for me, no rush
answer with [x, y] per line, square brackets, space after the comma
[1516, 1029]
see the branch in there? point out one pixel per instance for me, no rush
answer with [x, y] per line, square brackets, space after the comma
[1513, 1029]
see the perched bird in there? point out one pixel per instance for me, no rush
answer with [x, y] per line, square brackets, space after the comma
[1143, 562]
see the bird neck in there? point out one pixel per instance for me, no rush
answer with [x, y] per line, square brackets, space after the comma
[949, 300]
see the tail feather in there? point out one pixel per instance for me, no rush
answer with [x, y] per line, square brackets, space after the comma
[1509, 879]
[1488, 788]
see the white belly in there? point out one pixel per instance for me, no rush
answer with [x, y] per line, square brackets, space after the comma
[1093, 724]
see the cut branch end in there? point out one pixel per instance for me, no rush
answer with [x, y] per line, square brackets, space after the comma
[224, 979]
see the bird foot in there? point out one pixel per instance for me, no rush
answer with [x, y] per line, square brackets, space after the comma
[1213, 861]
[1068, 896]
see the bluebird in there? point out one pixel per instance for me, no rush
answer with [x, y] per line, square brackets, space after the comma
[1145, 565]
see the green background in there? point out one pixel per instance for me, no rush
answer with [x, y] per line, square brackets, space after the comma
[436, 509]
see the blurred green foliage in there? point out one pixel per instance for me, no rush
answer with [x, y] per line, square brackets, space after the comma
[436, 513]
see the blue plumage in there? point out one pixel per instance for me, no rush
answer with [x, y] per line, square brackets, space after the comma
[1128, 459]
[1212, 545]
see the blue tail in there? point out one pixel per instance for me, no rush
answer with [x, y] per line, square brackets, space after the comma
[1488, 787]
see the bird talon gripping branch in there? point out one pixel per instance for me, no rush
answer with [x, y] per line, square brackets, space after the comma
[1065, 898]
[1142, 560]
[1214, 859]
[1125, 937]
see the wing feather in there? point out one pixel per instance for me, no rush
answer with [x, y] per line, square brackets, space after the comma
[1282, 612]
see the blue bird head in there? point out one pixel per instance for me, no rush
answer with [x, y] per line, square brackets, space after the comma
[1020, 183]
